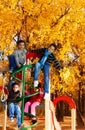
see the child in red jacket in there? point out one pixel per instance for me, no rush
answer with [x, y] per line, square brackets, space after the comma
[33, 102]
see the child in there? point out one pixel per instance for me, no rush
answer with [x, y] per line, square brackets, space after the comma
[13, 104]
[18, 59]
[33, 102]
[47, 57]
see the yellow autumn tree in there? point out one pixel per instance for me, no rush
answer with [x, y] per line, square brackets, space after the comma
[40, 23]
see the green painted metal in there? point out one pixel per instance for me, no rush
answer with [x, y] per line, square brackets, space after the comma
[22, 98]
[28, 127]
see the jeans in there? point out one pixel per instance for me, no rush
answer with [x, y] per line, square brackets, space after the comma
[46, 68]
[14, 108]
[12, 62]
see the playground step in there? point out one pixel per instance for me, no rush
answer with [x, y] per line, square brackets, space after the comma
[67, 118]
[66, 124]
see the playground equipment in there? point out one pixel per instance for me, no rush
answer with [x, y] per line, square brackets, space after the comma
[20, 75]
[50, 118]
[72, 106]
[49, 125]
[51, 122]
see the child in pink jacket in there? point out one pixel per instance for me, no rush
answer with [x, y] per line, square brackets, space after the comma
[33, 102]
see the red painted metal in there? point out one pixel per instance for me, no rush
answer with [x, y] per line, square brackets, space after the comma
[69, 100]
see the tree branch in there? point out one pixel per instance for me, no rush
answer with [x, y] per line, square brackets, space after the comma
[65, 13]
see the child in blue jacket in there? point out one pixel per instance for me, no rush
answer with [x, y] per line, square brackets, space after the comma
[47, 57]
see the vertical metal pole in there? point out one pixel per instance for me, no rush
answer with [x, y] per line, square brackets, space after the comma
[5, 116]
[51, 122]
[47, 115]
[73, 120]
[48, 118]
[5, 107]
[23, 87]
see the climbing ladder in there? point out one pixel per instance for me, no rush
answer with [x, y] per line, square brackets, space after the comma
[20, 75]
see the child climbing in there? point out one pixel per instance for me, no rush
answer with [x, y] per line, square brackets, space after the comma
[33, 102]
[18, 58]
[14, 104]
[47, 57]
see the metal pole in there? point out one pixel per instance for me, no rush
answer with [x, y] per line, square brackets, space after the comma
[23, 87]
[48, 118]
[73, 120]
[5, 115]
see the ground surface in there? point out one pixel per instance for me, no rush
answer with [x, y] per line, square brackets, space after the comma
[66, 125]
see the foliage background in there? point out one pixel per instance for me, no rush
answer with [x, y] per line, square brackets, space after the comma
[40, 23]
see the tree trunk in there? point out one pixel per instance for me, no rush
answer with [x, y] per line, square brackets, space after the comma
[79, 118]
[83, 102]
[79, 96]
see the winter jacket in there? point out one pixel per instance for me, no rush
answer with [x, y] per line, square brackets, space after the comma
[13, 97]
[36, 98]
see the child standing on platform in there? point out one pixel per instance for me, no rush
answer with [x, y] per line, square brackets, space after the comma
[47, 57]
[18, 59]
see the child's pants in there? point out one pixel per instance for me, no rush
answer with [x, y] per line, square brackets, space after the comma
[12, 63]
[14, 108]
[46, 68]
[32, 107]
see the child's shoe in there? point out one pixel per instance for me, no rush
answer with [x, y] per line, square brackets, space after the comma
[12, 119]
[37, 88]
[20, 127]
[10, 71]
[34, 120]
[36, 83]
[47, 96]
